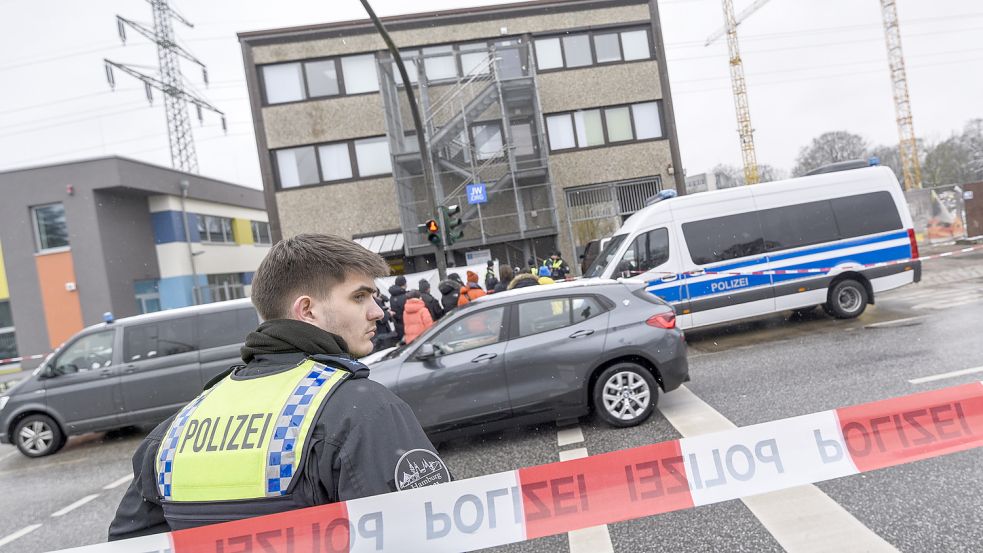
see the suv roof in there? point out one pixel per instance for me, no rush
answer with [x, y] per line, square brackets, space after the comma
[547, 290]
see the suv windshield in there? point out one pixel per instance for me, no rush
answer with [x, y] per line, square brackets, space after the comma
[606, 256]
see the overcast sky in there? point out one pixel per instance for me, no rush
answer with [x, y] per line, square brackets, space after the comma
[812, 66]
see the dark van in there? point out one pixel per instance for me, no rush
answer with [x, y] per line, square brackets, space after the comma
[133, 371]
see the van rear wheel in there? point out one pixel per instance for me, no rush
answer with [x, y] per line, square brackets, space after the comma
[38, 435]
[847, 299]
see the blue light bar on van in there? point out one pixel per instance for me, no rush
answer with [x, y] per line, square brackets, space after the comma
[107, 317]
[873, 160]
[664, 195]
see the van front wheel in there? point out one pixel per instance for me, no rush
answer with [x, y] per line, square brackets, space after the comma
[38, 435]
[847, 299]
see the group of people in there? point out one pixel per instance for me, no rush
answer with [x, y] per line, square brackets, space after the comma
[410, 312]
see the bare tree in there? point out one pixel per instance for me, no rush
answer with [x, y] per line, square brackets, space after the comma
[827, 148]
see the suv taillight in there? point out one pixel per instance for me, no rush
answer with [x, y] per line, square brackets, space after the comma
[914, 243]
[662, 320]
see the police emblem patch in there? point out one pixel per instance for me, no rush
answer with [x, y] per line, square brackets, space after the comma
[418, 468]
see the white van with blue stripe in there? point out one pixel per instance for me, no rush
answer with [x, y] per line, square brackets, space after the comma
[835, 239]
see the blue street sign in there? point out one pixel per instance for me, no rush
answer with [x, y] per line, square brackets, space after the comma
[477, 194]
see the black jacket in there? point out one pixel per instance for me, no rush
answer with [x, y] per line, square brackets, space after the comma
[397, 301]
[450, 291]
[502, 286]
[436, 310]
[357, 441]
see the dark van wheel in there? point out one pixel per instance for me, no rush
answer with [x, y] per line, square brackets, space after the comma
[38, 435]
[847, 299]
[625, 394]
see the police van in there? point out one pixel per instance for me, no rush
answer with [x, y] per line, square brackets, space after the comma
[833, 239]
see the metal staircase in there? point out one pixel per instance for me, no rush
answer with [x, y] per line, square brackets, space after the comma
[484, 126]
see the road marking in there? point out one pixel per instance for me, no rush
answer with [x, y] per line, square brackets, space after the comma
[816, 523]
[895, 322]
[943, 376]
[73, 506]
[18, 534]
[118, 483]
[569, 435]
[595, 539]
[11, 454]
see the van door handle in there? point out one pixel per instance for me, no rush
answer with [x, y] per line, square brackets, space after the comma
[669, 278]
[699, 272]
[484, 357]
[585, 332]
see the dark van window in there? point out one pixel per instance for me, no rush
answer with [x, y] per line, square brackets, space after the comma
[154, 340]
[646, 252]
[94, 351]
[723, 238]
[866, 214]
[798, 225]
[226, 328]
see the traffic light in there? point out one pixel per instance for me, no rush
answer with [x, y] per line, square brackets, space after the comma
[432, 228]
[452, 218]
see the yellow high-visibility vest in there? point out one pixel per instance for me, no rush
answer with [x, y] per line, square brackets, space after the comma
[244, 438]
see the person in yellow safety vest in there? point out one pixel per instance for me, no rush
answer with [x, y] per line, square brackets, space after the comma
[558, 267]
[299, 424]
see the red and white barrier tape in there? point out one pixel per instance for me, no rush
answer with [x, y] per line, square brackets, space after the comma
[527, 503]
[852, 266]
[19, 359]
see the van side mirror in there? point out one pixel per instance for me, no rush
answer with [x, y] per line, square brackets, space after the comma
[426, 351]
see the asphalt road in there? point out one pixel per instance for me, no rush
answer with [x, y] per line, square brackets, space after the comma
[768, 369]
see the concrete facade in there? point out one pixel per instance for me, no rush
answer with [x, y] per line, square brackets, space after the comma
[114, 239]
[365, 206]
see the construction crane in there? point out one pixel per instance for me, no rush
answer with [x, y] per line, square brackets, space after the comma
[738, 84]
[907, 146]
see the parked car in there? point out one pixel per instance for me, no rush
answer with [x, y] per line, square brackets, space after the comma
[853, 224]
[540, 353]
[133, 371]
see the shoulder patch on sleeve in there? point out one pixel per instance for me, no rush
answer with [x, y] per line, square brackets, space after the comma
[418, 468]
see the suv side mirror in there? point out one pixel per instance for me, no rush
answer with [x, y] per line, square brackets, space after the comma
[426, 351]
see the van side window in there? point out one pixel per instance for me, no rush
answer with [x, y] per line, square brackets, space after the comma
[723, 238]
[225, 328]
[799, 225]
[94, 351]
[866, 214]
[161, 339]
[646, 252]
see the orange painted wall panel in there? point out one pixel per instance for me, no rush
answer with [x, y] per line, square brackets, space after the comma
[62, 310]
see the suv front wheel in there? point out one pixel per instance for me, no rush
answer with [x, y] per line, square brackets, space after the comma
[625, 394]
[38, 435]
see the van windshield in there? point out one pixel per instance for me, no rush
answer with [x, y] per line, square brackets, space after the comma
[605, 258]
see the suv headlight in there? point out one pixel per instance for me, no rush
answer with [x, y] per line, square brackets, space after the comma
[3, 401]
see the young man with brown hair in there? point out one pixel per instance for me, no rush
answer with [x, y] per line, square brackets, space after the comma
[299, 424]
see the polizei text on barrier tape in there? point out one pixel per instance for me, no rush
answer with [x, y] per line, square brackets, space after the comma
[560, 497]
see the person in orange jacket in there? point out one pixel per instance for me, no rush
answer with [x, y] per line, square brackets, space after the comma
[416, 316]
[472, 290]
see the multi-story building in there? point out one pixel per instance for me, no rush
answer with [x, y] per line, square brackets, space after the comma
[559, 111]
[112, 235]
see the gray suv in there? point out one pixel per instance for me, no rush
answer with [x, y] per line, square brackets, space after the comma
[538, 354]
[137, 370]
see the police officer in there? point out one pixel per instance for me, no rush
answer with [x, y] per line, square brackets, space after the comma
[557, 266]
[299, 424]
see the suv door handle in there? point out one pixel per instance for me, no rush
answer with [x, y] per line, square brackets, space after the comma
[484, 357]
[585, 332]
[105, 373]
[130, 369]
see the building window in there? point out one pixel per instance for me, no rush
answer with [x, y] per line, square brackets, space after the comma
[439, 63]
[597, 127]
[261, 232]
[322, 78]
[474, 58]
[226, 286]
[360, 74]
[334, 162]
[6, 317]
[293, 82]
[283, 82]
[50, 227]
[592, 48]
[372, 155]
[488, 142]
[215, 229]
